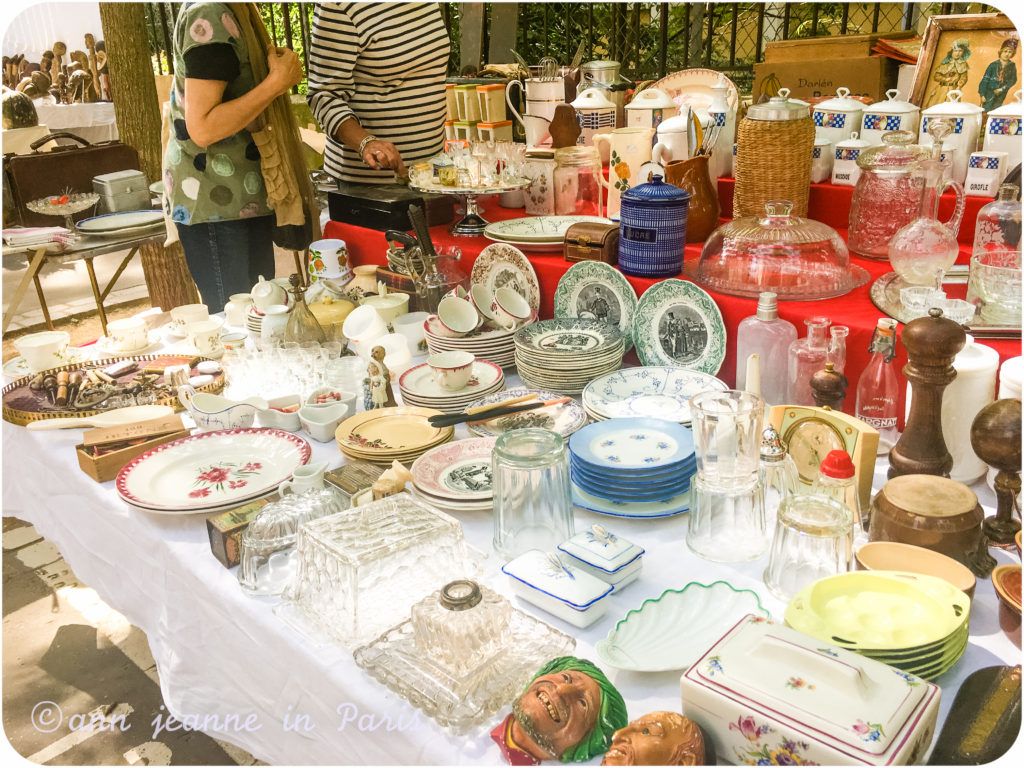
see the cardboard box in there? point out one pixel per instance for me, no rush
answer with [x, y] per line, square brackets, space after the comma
[814, 49]
[104, 451]
[869, 77]
[225, 531]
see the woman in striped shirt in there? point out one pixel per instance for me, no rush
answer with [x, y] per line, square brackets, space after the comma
[376, 85]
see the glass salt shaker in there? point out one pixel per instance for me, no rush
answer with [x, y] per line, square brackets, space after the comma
[837, 480]
[778, 474]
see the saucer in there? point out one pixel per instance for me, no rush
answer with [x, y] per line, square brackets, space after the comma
[17, 367]
[153, 342]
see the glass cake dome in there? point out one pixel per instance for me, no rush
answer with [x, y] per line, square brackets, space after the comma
[798, 259]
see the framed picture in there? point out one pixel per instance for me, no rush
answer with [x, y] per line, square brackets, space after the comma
[977, 54]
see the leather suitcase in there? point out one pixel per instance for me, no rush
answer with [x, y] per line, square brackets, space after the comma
[67, 168]
[590, 241]
[386, 206]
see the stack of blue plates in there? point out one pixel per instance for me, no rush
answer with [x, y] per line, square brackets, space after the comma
[633, 467]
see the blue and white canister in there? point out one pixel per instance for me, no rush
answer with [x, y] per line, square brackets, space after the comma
[652, 229]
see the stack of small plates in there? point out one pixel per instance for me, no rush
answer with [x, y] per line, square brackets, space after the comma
[254, 321]
[565, 354]
[456, 477]
[537, 233]
[418, 387]
[661, 392]
[383, 435]
[494, 345]
[911, 621]
[632, 467]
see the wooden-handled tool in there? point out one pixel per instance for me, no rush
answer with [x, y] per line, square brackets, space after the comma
[451, 420]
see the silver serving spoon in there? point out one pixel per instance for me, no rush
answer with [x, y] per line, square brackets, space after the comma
[113, 418]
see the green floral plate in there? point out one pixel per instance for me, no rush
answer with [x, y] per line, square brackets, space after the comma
[677, 323]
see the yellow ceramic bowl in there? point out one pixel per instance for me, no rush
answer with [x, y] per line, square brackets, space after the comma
[894, 556]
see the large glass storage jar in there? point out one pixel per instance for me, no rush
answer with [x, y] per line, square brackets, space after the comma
[578, 189]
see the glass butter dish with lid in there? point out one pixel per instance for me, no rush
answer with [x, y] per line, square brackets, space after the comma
[796, 258]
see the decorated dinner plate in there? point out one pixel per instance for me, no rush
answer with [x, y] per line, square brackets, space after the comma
[460, 470]
[692, 87]
[633, 443]
[567, 337]
[394, 430]
[593, 290]
[677, 323]
[562, 419]
[673, 631]
[538, 228]
[527, 246]
[109, 222]
[211, 468]
[661, 392]
[674, 506]
[419, 380]
[500, 265]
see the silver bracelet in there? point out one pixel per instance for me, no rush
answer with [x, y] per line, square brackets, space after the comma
[364, 142]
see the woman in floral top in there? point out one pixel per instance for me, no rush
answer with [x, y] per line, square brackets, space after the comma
[215, 189]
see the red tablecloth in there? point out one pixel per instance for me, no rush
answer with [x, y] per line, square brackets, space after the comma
[828, 203]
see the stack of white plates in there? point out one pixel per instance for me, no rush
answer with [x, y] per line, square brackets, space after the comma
[418, 387]
[494, 345]
[124, 224]
[656, 391]
[254, 321]
[536, 233]
[456, 477]
[565, 354]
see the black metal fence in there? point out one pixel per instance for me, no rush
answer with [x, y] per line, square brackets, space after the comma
[649, 39]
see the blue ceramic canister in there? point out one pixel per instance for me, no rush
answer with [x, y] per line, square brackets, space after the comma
[652, 229]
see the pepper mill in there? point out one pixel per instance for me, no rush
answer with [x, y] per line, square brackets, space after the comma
[932, 342]
[828, 388]
[996, 438]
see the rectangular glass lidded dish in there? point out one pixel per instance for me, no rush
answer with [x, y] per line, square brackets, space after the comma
[360, 571]
[765, 692]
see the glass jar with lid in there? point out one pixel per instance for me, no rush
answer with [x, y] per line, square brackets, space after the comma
[796, 258]
[578, 177]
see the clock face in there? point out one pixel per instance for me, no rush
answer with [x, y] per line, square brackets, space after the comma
[809, 441]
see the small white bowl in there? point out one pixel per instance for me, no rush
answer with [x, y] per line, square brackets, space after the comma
[286, 420]
[321, 421]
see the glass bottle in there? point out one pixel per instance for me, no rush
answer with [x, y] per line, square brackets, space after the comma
[878, 388]
[998, 226]
[924, 249]
[837, 479]
[807, 356]
[769, 336]
[302, 324]
[837, 347]
[578, 177]
[777, 474]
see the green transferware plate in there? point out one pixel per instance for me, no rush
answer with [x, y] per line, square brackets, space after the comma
[597, 291]
[879, 610]
[677, 323]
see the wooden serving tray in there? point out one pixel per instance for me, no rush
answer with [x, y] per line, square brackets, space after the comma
[22, 405]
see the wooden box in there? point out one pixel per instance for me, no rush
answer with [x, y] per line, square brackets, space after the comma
[225, 531]
[592, 241]
[868, 77]
[828, 47]
[104, 451]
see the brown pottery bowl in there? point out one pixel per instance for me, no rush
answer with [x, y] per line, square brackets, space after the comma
[894, 556]
[1006, 579]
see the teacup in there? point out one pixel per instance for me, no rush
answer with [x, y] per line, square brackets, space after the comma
[205, 334]
[43, 350]
[458, 292]
[510, 309]
[452, 369]
[232, 342]
[456, 317]
[483, 299]
[305, 477]
[237, 308]
[327, 259]
[389, 306]
[127, 335]
[266, 293]
[185, 314]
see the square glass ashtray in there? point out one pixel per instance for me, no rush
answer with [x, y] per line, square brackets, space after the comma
[462, 667]
[359, 572]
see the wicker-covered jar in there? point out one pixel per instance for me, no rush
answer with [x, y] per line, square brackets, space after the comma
[774, 148]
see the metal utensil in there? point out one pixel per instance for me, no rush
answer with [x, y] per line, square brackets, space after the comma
[113, 418]
[577, 59]
[522, 63]
[549, 69]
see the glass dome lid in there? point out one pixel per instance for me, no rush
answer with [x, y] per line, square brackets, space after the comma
[798, 259]
[898, 152]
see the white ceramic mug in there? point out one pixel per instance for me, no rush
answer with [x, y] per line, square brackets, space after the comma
[127, 335]
[237, 309]
[542, 96]
[44, 350]
[363, 325]
[452, 369]
[187, 313]
[205, 335]
[456, 317]
[327, 259]
[510, 309]
[411, 326]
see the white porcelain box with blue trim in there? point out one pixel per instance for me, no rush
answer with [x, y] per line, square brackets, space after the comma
[767, 694]
[567, 592]
[610, 558]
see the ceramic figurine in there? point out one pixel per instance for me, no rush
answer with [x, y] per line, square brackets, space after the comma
[568, 712]
[660, 738]
[379, 393]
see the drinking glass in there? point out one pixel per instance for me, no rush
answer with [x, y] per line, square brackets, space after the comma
[813, 539]
[532, 495]
[727, 523]
[727, 437]
[994, 286]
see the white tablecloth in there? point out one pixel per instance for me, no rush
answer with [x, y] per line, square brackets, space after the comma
[221, 653]
[93, 122]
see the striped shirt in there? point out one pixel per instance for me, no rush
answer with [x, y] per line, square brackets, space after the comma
[385, 65]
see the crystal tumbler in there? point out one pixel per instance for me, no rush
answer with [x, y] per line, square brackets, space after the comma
[532, 494]
[813, 539]
[727, 437]
[727, 523]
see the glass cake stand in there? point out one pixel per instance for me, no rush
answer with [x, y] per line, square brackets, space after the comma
[76, 203]
[472, 223]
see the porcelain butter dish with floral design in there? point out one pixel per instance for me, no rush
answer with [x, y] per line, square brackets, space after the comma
[599, 552]
[767, 694]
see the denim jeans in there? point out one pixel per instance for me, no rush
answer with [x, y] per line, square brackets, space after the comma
[227, 257]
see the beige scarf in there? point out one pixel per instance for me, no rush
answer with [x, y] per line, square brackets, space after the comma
[289, 188]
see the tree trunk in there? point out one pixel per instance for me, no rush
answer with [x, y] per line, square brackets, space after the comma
[138, 123]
